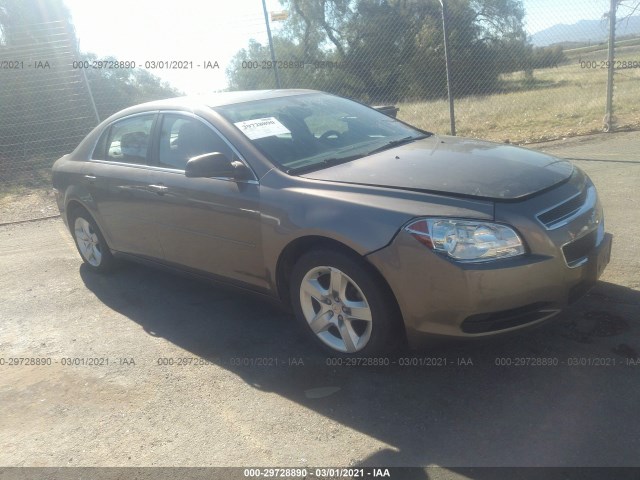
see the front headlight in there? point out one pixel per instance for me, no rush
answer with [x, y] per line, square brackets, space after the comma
[467, 240]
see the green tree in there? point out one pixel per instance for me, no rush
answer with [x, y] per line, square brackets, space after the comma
[118, 88]
[389, 50]
[16, 14]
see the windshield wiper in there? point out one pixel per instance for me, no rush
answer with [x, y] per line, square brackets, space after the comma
[395, 143]
[329, 162]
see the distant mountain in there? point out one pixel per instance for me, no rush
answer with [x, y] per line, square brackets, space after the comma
[585, 30]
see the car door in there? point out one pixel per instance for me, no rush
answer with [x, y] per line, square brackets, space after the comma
[121, 183]
[207, 224]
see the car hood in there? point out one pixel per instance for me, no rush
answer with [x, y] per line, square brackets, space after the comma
[456, 166]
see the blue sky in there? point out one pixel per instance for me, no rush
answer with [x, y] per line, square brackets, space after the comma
[198, 31]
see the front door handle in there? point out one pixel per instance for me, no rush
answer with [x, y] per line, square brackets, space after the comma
[160, 189]
[91, 177]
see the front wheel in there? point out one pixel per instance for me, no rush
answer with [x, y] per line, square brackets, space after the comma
[343, 305]
[90, 243]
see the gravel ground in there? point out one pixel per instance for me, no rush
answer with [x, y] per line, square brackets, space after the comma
[40, 203]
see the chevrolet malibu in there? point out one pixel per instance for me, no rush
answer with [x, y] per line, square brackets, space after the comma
[374, 232]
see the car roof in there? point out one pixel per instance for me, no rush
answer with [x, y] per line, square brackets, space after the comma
[222, 98]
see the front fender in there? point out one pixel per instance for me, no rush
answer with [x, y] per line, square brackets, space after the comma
[363, 218]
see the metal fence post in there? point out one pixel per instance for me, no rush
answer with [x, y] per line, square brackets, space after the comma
[452, 116]
[608, 117]
[273, 55]
[85, 80]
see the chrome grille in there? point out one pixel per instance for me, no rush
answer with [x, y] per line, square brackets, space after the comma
[560, 214]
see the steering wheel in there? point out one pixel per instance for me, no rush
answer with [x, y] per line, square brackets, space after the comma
[330, 135]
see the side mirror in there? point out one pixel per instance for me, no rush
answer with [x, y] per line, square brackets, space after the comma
[216, 164]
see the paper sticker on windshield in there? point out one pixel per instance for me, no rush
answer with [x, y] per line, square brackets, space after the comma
[261, 127]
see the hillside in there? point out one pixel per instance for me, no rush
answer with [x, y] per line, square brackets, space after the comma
[593, 31]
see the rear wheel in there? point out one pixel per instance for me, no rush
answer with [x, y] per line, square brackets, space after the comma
[343, 305]
[90, 242]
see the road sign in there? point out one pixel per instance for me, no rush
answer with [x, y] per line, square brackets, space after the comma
[279, 16]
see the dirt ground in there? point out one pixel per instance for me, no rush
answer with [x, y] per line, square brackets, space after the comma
[39, 203]
[146, 368]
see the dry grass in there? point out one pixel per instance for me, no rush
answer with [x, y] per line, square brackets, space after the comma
[27, 205]
[562, 102]
[27, 180]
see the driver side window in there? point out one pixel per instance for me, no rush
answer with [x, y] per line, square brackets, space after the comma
[182, 138]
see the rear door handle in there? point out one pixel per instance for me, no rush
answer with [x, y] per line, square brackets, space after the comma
[160, 189]
[90, 177]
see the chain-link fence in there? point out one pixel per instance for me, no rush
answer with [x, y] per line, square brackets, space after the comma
[517, 72]
[520, 72]
[45, 105]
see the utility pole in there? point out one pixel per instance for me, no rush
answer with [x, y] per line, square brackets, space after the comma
[273, 55]
[452, 116]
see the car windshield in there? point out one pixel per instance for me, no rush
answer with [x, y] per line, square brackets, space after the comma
[307, 132]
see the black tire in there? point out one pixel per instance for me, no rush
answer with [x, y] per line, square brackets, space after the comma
[379, 332]
[93, 241]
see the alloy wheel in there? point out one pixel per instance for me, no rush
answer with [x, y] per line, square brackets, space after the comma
[88, 242]
[336, 309]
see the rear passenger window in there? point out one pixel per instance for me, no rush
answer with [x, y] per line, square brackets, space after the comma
[182, 138]
[128, 139]
[99, 152]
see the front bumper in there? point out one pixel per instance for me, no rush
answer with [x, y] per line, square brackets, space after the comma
[441, 297]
